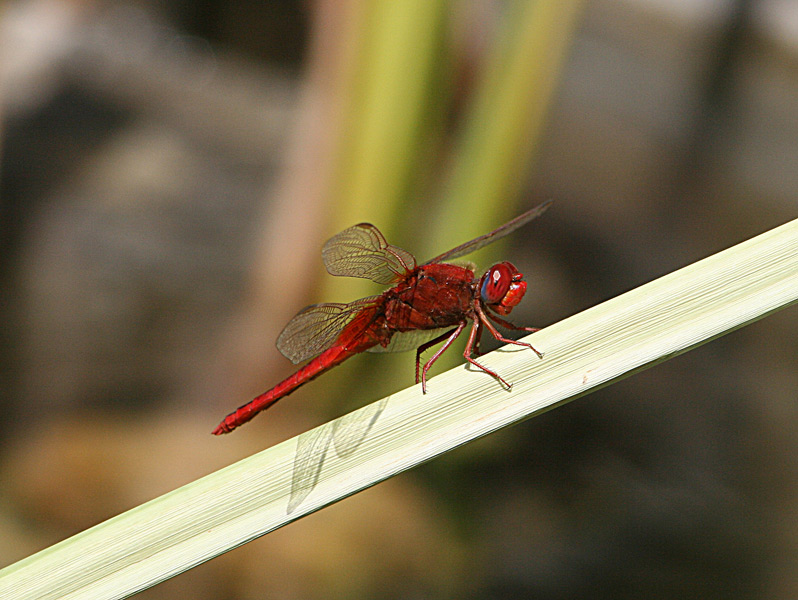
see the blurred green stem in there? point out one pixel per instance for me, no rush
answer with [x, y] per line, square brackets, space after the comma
[506, 120]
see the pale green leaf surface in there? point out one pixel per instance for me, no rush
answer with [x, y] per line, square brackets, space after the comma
[263, 492]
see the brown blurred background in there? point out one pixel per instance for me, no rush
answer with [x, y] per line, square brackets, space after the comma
[170, 170]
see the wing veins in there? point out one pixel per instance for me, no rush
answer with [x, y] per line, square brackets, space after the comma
[496, 234]
[362, 251]
[316, 328]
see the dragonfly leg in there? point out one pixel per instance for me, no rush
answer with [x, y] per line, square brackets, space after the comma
[473, 339]
[426, 346]
[477, 338]
[509, 325]
[495, 332]
[454, 333]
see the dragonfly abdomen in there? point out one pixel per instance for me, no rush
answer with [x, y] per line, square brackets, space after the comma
[324, 362]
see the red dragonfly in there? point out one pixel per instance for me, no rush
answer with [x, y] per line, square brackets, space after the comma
[428, 304]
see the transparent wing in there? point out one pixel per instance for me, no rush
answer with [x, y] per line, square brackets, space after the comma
[494, 235]
[402, 341]
[361, 251]
[316, 328]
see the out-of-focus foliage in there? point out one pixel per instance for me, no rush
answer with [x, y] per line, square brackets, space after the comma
[170, 171]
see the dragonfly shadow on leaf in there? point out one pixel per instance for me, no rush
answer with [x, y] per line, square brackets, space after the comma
[346, 435]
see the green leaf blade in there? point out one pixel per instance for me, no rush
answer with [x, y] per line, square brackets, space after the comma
[605, 343]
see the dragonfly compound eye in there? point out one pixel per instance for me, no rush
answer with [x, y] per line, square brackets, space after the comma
[496, 283]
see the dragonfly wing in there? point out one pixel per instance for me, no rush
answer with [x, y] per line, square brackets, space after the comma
[361, 251]
[402, 341]
[494, 235]
[316, 328]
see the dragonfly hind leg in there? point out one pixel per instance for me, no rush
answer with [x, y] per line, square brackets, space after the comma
[449, 336]
[426, 346]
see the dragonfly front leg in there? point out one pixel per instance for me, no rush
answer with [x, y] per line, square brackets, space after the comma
[456, 332]
[509, 325]
[495, 332]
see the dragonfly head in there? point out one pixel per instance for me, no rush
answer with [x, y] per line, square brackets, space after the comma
[502, 287]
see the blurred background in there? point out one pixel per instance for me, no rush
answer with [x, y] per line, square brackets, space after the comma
[170, 170]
